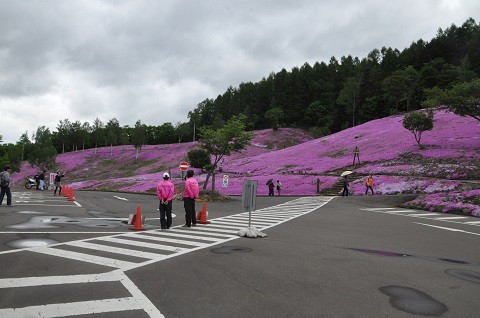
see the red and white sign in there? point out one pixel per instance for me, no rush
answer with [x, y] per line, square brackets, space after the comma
[183, 166]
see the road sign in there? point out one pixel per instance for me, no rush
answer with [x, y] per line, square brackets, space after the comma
[183, 166]
[225, 181]
[249, 197]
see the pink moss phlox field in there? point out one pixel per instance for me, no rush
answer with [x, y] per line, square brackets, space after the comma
[403, 185]
[387, 150]
[462, 202]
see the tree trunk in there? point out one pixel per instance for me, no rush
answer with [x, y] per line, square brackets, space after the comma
[136, 157]
[206, 180]
[213, 181]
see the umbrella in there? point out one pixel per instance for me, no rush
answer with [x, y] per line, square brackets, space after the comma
[269, 181]
[346, 173]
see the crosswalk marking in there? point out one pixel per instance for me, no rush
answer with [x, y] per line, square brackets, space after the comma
[99, 260]
[143, 244]
[137, 301]
[435, 216]
[117, 250]
[191, 239]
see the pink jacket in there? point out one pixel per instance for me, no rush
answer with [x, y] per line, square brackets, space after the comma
[191, 188]
[165, 190]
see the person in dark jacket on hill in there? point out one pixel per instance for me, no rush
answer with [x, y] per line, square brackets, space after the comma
[345, 186]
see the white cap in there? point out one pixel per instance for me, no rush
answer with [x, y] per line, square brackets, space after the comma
[166, 175]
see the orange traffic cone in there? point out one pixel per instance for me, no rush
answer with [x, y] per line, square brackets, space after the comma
[202, 215]
[137, 226]
[66, 191]
[70, 195]
[62, 192]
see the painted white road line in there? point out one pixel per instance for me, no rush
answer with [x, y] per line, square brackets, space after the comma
[77, 204]
[202, 229]
[375, 209]
[222, 226]
[167, 240]
[236, 221]
[245, 218]
[473, 222]
[448, 229]
[73, 309]
[266, 218]
[117, 250]
[120, 198]
[192, 237]
[143, 244]
[58, 280]
[425, 214]
[99, 260]
[211, 234]
[451, 218]
[399, 211]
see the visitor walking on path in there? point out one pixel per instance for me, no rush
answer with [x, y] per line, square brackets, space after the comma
[279, 187]
[58, 183]
[356, 155]
[5, 186]
[190, 194]
[369, 184]
[165, 190]
[345, 186]
[271, 189]
[41, 177]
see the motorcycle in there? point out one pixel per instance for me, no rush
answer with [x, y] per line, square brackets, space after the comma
[30, 183]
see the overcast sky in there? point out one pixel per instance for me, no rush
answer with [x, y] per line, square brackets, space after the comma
[156, 60]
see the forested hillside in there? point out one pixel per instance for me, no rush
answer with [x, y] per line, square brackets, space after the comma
[329, 97]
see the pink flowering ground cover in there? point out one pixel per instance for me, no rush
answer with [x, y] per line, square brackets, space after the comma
[460, 202]
[451, 154]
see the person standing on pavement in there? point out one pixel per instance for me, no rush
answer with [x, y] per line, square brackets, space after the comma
[41, 177]
[369, 184]
[271, 189]
[279, 187]
[5, 186]
[190, 194]
[58, 183]
[345, 186]
[165, 191]
[37, 181]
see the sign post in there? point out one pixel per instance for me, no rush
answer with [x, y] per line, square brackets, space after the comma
[225, 181]
[183, 166]
[249, 197]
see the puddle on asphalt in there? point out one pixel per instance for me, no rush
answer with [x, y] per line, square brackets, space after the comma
[470, 276]
[413, 301]
[31, 242]
[393, 254]
[230, 249]
[375, 252]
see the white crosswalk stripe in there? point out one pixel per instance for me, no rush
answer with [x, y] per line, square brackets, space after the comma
[436, 216]
[143, 248]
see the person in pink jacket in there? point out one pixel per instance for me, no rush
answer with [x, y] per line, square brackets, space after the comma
[189, 196]
[165, 191]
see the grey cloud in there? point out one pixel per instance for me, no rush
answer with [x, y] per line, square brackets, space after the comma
[155, 60]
